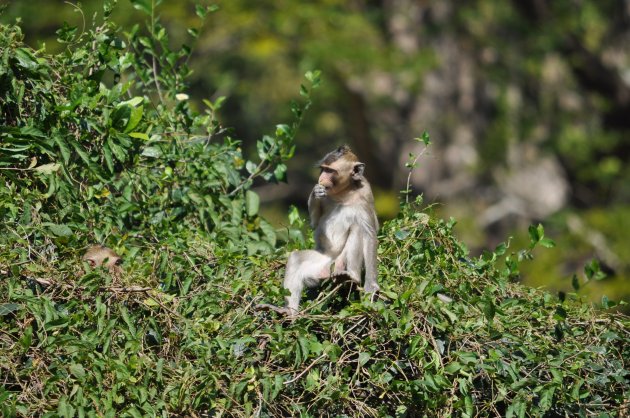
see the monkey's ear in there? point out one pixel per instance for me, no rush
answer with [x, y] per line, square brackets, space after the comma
[357, 171]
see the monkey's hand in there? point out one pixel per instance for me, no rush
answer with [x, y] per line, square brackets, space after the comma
[319, 191]
[283, 311]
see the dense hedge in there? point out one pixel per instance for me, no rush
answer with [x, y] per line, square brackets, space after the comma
[100, 144]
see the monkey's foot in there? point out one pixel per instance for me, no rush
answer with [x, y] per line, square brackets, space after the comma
[283, 311]
[371, 287]
[345, 275]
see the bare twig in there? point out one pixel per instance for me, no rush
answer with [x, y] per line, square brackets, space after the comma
[411, 167]
[303, 372]
[130, 289]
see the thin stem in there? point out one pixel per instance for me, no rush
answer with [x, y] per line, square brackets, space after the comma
[411, 167]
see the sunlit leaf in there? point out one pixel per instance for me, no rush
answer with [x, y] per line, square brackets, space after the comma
[252, 203]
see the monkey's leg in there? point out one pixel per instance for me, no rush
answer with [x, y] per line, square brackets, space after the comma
[350, 260]
[370, 253]
[304, 268]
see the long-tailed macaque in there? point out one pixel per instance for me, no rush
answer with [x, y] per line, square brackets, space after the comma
[341, 208]
[98, 255]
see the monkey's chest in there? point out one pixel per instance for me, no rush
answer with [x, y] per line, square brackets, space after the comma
[333, 229]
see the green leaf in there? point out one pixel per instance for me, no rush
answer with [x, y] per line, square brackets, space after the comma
[27, 338]
[66, 33]
[546, 398]
[280, 172]
[425, 138]
[575, 282]
[534, 234]
[364, 357]
[251, 167]
[94, 168]
[489, 309]
[283, 130]
[561, 314]
[77, 370]
[142, 5]
[139, 135]
[314, 77]
[47, 169]
[109, 161]
[401, 234]
[518, 408]
[453, 367]
[193, 32]
[134, 118]
[593, 271]
[26, 59]
[218, 103]
[119, 152]
[128, 114]
[252, 203]
[547, 243]
[134, 102]
[130, 324]
[294, 216]
[64, 148]
[151, 152]
[59, 230]
[201, 11]
[120, 117]
[64, 409]
[7, 308]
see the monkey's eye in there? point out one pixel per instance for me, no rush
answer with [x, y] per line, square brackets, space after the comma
[328, 170]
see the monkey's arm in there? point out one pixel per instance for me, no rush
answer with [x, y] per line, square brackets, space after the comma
[370, 246]
[315, 206]
[370, 254]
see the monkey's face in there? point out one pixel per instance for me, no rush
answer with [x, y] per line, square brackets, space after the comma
[328, 177]
[113, 264]
[102, 256]
[337, 176]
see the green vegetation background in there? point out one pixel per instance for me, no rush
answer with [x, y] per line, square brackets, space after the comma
[101, 142]
[503, 87]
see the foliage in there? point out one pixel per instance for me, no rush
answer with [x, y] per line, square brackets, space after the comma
[449, 334]
[492, 79]
[100, 144]
[98, 141]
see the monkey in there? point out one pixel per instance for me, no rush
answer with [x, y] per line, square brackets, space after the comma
[99, 255]
[342, 215]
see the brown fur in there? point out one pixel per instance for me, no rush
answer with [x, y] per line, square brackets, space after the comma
[99, 255]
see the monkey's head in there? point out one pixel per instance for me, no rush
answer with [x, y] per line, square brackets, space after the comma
[98, 255]
[340, 169]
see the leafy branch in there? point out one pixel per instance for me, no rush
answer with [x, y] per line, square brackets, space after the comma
[412, 162]
[274, 151]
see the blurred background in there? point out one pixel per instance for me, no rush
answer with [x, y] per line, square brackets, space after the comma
[527, 103]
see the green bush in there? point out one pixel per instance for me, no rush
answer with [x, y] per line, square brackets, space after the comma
[100, 144]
